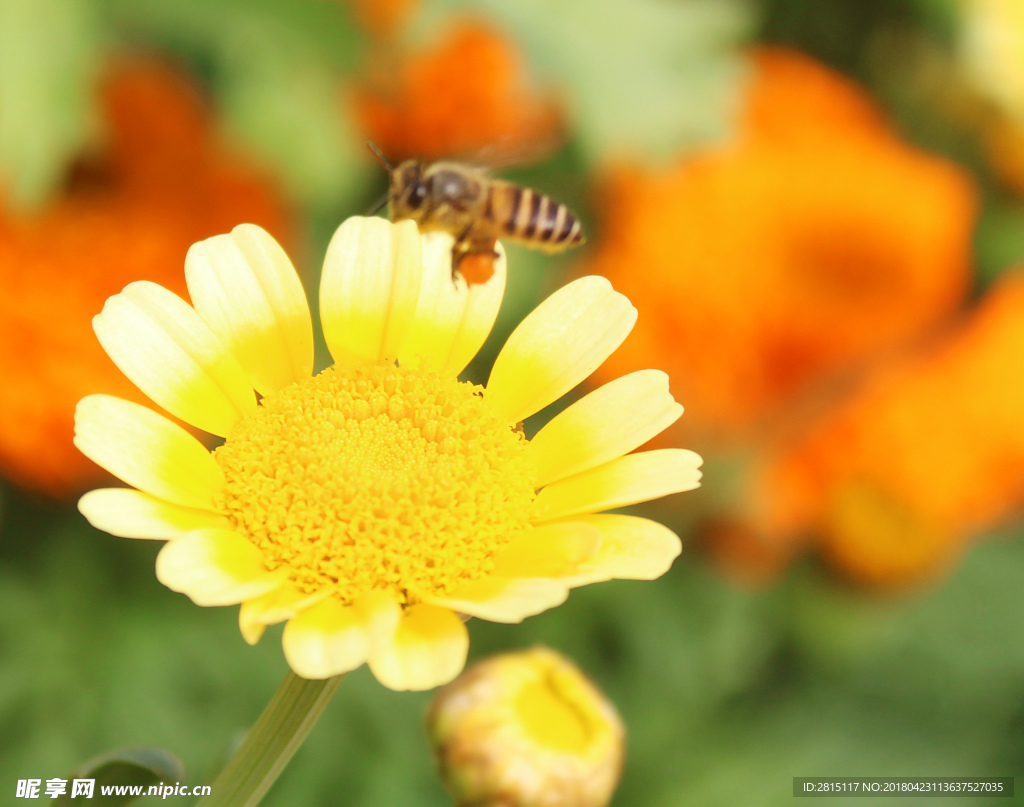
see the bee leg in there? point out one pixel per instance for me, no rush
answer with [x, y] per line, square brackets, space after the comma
[461, 248]
[459, 251]
[481, 268]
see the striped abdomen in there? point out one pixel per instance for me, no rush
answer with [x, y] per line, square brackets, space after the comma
[532, 218]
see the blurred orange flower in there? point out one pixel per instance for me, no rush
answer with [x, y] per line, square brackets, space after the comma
[925, 454]
[129, 212]
[469, 93]
[761, 268]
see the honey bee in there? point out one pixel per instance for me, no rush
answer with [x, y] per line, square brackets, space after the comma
[477, 209]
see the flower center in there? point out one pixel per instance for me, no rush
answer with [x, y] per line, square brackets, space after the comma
[377, 476]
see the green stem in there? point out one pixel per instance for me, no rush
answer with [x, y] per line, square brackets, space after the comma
[271, 743]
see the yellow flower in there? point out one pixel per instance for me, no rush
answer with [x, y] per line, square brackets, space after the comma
[992, 51]
[527, 729]
[372, 504]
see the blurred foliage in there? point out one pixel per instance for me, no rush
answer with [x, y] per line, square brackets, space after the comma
[279, 72]
[999, 241]
[275, 71]
[728, 693]
[837, 32]
[48, 60]
[612, 58]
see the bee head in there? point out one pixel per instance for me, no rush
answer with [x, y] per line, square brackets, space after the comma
[408, 191]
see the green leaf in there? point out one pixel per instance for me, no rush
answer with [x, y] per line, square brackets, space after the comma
[643, 78]
[129, 767]
[48, 55]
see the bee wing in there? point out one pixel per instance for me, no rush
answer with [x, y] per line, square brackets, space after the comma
[516, 152]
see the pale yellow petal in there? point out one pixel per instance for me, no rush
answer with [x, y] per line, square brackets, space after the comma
[623, 481]
[381, 614]
[559, 344]
[130, 513]
[283, 602]
[147, 451]
[325, 640]
[245, 288]
[214, 567]
[631, 549]
[551, 550]
[453, 318]
[509, 600]
[168, 351]
[369, 288]
[251, 631]
[609, 422]
[429, 649]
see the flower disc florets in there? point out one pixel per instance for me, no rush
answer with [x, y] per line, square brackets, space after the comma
[370, 475]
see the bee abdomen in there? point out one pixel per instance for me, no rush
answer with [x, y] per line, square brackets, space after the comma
[561, 228]
[540, 221]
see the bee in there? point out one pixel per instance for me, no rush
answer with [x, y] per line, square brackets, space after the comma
[476, 209]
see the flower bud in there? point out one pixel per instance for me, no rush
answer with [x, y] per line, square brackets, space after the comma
[526, 729]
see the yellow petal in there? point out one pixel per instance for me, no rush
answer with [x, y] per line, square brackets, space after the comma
[170, 353]
[452, 319]
[626, 480]
[631, 549]
[284, 602]
[609, 422]
[326, 640]
[429, 649]
[498, 599]
[147, 451]
[131, 513]
[251, 631]
[245, 288]
[559, 344]
[381, 614]
[369, 288]
[214, 567]
[551, 550]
